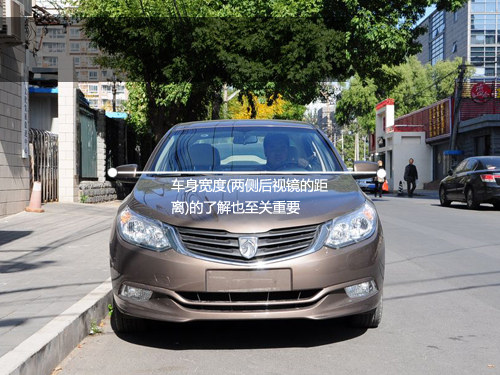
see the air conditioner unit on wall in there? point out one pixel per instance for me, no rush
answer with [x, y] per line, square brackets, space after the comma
[12, 21]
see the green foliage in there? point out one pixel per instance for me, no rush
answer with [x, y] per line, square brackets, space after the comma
[291, 111]
[183, 51]
[110, 309]
[411, 84]
[94, 328]
[357, 102]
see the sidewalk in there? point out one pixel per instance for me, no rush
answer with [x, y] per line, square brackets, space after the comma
[49, 263]
[421, 193]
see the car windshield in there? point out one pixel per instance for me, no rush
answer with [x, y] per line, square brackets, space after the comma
[245, 148]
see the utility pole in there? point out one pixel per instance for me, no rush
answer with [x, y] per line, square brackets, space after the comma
[356, 146]
[226, 99]
[456, 109]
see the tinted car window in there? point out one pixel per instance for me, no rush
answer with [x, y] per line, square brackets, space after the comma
[471, 165]
[490, 163]
[244, 149]
[461, 166]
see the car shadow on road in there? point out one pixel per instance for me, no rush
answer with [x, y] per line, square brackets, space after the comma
[243, 334]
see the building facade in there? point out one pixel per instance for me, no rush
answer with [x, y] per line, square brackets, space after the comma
[14, 126]
[56, 42]
[472, 32]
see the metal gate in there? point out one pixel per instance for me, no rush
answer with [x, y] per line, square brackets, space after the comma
[88, 137]
[44, 166]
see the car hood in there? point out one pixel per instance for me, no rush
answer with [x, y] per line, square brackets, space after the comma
[157, 197]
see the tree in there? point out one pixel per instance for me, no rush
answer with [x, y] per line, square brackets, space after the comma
[265, 109]
[411, 84]
[185, 50]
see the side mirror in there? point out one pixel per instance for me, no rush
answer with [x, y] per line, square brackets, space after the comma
[124, 173]
[369, 167]
[450, 172]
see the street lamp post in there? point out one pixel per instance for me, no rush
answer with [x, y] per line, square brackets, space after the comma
[113, 81]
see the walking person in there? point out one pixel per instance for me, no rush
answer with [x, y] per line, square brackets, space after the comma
[379, 178]
[411, 177]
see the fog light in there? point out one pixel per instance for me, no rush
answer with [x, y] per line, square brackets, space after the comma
[361, 290]
[135, 293]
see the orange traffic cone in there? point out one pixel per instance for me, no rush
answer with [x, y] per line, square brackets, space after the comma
[36, 198]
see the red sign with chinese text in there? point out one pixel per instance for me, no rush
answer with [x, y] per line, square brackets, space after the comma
[481, 92]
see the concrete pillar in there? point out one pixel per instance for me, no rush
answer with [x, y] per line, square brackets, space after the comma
[67, 128]
[101, 145]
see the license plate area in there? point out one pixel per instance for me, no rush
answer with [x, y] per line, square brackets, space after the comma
[249, 280]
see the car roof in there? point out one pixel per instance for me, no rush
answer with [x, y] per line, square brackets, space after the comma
[237, 123]
[484, 157]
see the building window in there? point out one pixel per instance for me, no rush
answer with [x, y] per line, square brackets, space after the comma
[74, 47]
[93, 89]
[455, 16]
[74, 32]
[55, 33]
[53, 47]
[483, 29]
[437, 50]
[92, 75]
[49, 61]
[436, 44]
[483, 6]
[484, 56]
[92, 48]
[454, 47]
[76, 61]
[437, 24]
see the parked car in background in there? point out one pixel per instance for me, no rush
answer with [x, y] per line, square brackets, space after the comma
[475, 180]
[366, 184]
[245, 220]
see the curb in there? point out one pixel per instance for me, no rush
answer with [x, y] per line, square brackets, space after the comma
[45, 349]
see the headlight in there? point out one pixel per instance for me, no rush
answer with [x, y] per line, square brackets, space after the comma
[142, 231]
[353, 227]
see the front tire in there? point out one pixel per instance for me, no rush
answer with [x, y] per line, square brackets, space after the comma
[122, 323]
[370, 319]
[471, 199]
[442, 198]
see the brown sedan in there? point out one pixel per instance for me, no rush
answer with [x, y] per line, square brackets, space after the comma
[245, 220]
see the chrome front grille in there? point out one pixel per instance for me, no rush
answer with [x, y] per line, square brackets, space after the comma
[249, 301]
[224, 245]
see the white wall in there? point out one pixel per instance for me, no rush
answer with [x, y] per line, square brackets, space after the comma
[66, 129]
[399, 148]
[408, 145]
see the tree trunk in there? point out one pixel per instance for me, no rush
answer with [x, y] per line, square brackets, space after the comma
[216, 105]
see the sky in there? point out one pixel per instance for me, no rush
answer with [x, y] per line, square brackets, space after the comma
[428, 11]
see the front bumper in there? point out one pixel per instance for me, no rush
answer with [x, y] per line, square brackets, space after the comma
[180, 284]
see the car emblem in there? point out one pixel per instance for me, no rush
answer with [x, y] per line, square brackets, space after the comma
[248, 246]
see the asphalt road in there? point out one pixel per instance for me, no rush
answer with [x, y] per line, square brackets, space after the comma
[441, 315]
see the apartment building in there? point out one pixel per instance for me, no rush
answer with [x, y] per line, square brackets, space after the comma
[472, 32]
[99, 85]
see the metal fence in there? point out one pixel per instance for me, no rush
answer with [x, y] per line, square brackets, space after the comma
[45, 162]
